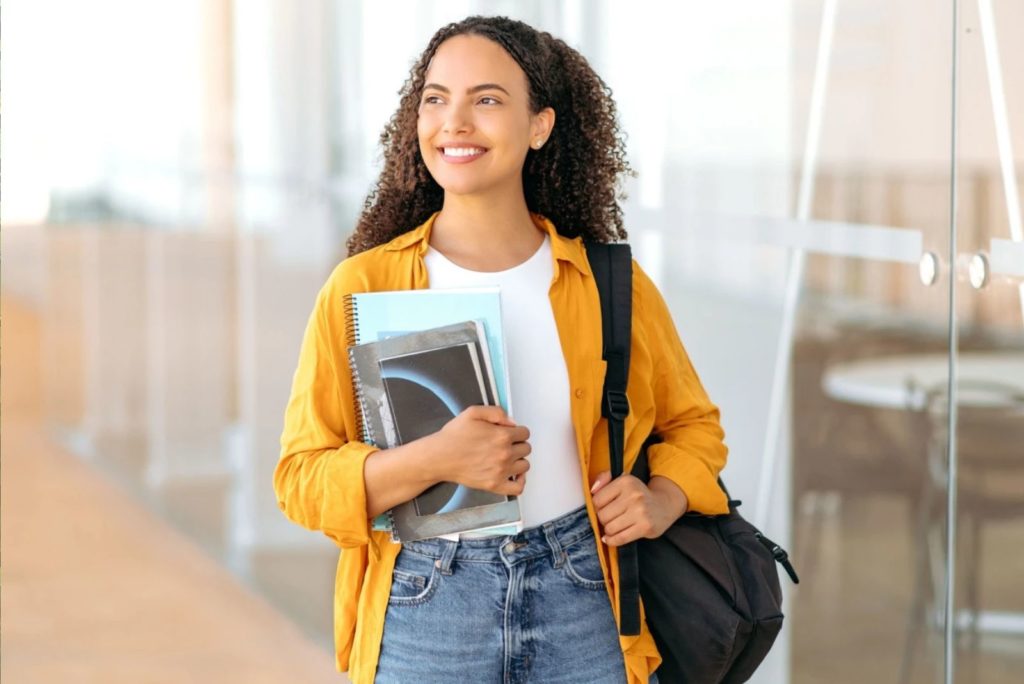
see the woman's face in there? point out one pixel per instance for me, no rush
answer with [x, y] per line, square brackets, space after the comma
[475, 125]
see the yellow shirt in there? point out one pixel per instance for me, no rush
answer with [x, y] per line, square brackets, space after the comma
[319, 479]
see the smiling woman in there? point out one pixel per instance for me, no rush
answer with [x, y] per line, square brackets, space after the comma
[503, 157]
[502, 78]
[474, 134]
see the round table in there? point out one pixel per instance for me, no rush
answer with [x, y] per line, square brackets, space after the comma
[986, 379]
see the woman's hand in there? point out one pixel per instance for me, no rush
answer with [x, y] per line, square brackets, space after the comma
[484, 449]
[629, 510]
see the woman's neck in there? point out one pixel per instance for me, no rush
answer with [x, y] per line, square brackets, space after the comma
[485, 234]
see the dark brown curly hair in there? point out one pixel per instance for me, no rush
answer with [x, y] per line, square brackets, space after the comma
[573, 180]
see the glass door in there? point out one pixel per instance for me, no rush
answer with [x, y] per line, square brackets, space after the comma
[869, 339]
[985, 637]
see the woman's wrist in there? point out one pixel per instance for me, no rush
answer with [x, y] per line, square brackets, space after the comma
[396, 475]
[431, 459]
[672, 498]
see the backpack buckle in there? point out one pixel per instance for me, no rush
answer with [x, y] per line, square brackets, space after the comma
[616, 405]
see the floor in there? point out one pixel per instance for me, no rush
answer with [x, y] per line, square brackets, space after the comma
[849, 614]
[96, 588]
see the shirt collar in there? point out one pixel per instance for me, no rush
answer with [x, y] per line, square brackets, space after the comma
[566, 249]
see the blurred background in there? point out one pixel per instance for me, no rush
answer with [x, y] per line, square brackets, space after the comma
[828, 195]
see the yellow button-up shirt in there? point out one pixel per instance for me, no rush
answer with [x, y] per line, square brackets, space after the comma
[319, 479]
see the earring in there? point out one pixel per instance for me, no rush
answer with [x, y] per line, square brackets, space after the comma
[537, 144]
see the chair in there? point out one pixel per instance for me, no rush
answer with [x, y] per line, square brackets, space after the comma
[854, 451]
[990, 489]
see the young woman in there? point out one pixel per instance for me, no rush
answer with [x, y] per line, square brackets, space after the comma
[503, 156]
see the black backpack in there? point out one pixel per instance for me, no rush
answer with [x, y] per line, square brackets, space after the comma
[709, 584]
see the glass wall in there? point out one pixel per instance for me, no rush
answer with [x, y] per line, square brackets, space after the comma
[808, 199]
[987, 438]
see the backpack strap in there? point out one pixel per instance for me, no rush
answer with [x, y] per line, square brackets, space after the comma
[612, 266]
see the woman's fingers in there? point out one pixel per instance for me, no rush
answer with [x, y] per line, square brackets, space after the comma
[490, 414]
[519, 433]
[520, 466]
[521, 450]
[624, 536]
[602, 479]
[611, 510]
[623, 509]
[623, 486]
[511, 487]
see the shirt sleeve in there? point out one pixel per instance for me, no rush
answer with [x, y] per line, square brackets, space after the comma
[319, 477]
[692, 450]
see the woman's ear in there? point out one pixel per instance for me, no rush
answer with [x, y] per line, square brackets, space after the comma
[543, 124]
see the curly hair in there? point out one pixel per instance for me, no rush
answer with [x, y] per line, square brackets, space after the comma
[574, 180]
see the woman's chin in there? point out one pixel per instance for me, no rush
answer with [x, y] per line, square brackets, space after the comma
[479, 187]
[463, 189]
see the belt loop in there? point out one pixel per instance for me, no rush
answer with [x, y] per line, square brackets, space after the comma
[556, 548]
[444, 563]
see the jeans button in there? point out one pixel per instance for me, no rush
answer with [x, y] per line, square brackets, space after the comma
[510, 547]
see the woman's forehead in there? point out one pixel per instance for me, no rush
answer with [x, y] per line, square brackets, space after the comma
[465, 61]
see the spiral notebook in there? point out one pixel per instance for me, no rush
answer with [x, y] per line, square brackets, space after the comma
[374, 316]
[410, 384]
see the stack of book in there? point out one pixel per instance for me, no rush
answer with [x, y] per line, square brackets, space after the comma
[419, 358]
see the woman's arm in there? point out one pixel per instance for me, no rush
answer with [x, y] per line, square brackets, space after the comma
[692, 450]
[319, 477]
[684, 466]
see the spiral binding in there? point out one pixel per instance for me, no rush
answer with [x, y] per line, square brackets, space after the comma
[351, 313]
[391, 526]
[357, 387]
[351, 320]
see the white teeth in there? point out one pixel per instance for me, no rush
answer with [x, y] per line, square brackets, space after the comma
[462, 151]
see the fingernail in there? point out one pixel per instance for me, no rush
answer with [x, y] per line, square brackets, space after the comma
[604, 540]
[594, 487]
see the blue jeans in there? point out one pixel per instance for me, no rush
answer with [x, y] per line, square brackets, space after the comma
[525, 608]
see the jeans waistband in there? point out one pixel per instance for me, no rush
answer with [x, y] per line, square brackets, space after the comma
[541, 540]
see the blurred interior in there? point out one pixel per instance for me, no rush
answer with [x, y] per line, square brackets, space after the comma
[180, 178]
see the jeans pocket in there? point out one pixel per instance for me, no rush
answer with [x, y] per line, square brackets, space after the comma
[414, 579]
[581, 564]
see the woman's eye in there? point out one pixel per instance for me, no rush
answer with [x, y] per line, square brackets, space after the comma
[489, 100]
[431, 99]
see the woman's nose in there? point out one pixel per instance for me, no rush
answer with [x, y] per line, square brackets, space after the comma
[457, 120]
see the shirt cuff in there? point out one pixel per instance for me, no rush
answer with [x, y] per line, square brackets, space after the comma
[691, 475]
[343, 516]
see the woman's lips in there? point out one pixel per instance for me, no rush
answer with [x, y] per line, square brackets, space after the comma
[461, 155]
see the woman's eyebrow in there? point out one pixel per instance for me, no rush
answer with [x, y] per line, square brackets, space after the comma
[470, 91]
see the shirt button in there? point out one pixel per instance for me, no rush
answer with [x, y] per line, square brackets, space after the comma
[579, 394]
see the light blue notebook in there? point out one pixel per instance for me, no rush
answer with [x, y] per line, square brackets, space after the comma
[374, 316]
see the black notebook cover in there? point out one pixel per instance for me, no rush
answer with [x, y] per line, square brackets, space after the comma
[427, 389]
[410, 386]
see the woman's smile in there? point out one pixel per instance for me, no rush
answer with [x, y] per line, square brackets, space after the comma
[461, 154]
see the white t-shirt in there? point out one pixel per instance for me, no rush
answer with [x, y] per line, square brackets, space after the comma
[538, 378]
